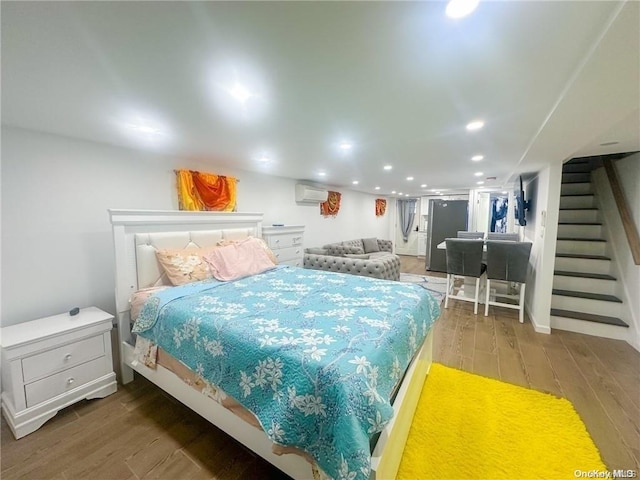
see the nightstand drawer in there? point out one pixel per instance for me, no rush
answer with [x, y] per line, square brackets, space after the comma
[44, 363]
[284, 240]
[290, 253]
[64, 381]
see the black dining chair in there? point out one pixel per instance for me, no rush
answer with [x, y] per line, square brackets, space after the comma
[507, 262]
[464, 259]
[473, 235]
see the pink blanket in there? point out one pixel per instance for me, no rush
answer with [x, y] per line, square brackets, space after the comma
[241, 259]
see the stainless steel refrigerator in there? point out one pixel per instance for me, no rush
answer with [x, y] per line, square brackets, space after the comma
[446, 218]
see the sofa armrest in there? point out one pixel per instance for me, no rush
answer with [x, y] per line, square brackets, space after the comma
[386, 267]
[385, 245]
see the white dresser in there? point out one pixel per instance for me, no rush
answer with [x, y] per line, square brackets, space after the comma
[52, 362]
[286, 243]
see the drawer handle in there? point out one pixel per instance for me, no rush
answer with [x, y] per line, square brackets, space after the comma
[278, 240]
[70, 381]
[67, 357]
[277, 255]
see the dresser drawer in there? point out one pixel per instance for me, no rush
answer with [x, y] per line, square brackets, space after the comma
[291, 253]
[294, 263]
[64, 381]
[284, 240]
[59, 358]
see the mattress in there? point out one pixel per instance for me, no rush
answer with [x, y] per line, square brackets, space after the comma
[314, 356]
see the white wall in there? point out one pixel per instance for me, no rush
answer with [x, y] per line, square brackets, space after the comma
[542, 230]
[623, 266]
[57, 249]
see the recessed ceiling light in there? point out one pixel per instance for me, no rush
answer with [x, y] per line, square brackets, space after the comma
[440, 193]
[409, 178]
[240, 93]
[387, 167]
[322, 174]
[399, 193]
[377, 188]
[355, 182]
[477, 158]
[345, 146]
[406, 194]
[505, 192]
[475, 125]
[424, 185]
[393, 191]
[263, 159]
[478, 174]
[460, 8]
[480, 183]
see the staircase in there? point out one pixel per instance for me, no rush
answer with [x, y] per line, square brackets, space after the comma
[583, 297]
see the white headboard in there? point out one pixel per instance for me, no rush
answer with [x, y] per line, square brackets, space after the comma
[138, 233]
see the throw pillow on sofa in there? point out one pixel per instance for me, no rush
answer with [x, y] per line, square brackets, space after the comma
[370, 245]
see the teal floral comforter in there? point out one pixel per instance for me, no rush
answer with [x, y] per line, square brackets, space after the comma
[314, 355]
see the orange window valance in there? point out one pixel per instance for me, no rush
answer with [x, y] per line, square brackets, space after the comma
[205, 191]
[332, 205]
[381, 206]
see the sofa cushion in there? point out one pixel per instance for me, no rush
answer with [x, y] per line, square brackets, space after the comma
[361, 256]
[370, 245]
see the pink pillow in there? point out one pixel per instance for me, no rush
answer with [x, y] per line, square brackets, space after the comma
[238, 260]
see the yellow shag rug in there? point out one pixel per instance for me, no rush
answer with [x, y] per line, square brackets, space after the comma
[467, 426]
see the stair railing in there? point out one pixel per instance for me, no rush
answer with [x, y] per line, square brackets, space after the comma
[628, 223]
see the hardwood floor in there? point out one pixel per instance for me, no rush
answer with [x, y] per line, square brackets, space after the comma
[140, 432]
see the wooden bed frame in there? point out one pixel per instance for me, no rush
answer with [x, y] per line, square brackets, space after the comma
[136, 235]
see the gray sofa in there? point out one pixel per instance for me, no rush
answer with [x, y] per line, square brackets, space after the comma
[369, 257]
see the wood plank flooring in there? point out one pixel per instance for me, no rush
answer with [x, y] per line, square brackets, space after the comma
[142, 433]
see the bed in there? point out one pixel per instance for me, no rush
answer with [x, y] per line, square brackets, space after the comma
[300, 338]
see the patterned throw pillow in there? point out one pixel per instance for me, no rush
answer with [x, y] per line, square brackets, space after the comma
[185, 265]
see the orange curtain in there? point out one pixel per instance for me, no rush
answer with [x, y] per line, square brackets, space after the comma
[381, 206]
[332, 205]
[205, 191]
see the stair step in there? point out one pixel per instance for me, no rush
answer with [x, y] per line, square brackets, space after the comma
[588, 295]
[584, 223]
[579, 239]
[567, 182]
[599, 276]
[579, 255]
[577, 194]
[576, 188]
[579, 208]
[589, 317]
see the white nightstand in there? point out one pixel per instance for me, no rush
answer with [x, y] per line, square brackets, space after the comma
[52, 362]
[286, 243]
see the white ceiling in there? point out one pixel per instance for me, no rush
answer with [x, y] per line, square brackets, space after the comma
[400, 80]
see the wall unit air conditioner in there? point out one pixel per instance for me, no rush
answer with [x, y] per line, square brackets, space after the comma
[309, 194]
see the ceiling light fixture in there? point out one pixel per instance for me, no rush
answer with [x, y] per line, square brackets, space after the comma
[424, 185]
[240, 93]
[264, 159]
[475, 125]
[480, 183]
[355, 182]
[322, 174]
[399, 193]
[406, 194]
[460, 8]
[345, 146]
[393, 191]
[410, 178]
[377, 188]
[505, 192]
[477, 158]
[387, 167]
[478, 174]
